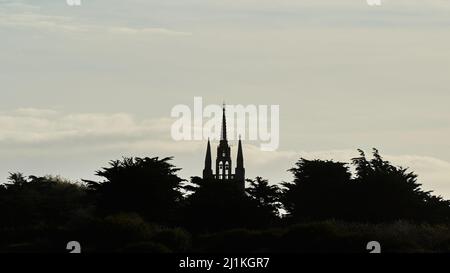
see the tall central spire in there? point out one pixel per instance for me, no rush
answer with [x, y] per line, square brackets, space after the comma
[223, 136]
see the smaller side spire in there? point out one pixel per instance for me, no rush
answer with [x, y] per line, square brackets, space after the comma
[207, 171]
[240, 170]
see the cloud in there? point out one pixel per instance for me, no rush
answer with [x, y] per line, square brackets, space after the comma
[21, 15]
[17, 6]
[34, 112]
[30, 125]
[68, 24]
[434, 173]
[144, 31]
[33, 20]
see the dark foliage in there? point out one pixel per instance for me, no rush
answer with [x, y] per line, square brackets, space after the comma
[39, 201]
[214, 205]
[143, 206]
[267, 196]
[379, 192]
[147, 186]
[318, 191]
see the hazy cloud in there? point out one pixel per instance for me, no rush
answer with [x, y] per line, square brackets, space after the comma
[29, 125]
[23, 15]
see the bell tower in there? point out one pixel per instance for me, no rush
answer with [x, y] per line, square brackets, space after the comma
[223, 161]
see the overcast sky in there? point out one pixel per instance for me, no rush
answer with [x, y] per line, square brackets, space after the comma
[84, 85]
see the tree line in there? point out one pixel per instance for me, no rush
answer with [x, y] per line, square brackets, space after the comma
[142, 203]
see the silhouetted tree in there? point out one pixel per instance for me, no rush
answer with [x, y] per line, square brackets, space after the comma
[267, 196]
[379, 192]
[387, 193]
[35, 212]
[318, 191]
[216, 205]
[15, 180]
[147, 186]
[39, 200]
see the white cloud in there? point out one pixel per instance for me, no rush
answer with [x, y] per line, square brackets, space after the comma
[34, 20]
[30, 17]
[29, 125]
[144, 31]
[34, 112]
[17, 6]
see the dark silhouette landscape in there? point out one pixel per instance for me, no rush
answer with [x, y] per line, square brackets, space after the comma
[142, 205]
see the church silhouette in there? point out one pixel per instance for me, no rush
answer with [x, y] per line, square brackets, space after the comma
[223, 161]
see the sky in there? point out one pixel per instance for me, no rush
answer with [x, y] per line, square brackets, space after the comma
[81, 86]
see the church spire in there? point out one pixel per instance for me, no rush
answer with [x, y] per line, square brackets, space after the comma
[240, 156]
[240, 170]
[207, 171]
[223, 136]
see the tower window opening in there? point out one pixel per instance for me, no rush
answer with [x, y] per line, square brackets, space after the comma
[221, 173]
[227, 170]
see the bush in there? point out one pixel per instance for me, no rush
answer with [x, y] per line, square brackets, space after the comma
[238, 240]
[177, 239]
[116, 231]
